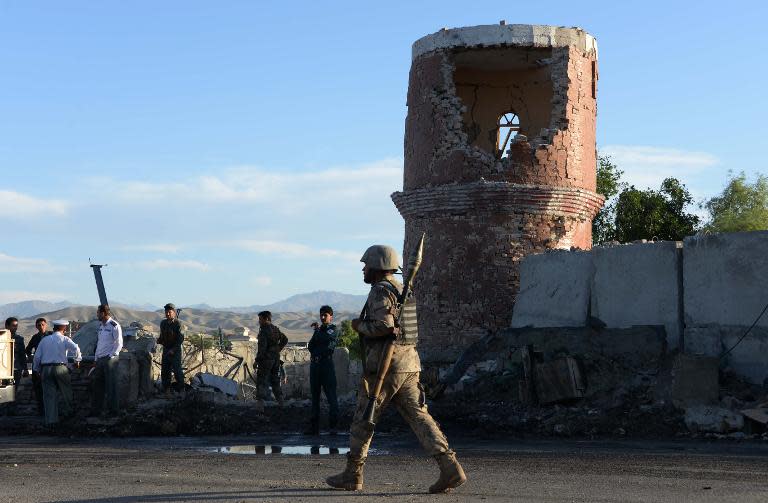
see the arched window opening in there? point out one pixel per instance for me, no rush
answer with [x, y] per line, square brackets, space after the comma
[508, 127]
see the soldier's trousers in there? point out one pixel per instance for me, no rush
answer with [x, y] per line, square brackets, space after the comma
[405, 392]
[171, 363]
[268, 374]
[56, 381]
[105, 379]
[322, 377]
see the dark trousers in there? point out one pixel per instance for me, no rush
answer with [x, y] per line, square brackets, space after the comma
[105, 383]
[56, 381]
[268, 374]
[322, 377]
[171, 363]
[37, 387]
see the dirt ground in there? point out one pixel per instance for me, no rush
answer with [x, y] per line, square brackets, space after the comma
[193, 469]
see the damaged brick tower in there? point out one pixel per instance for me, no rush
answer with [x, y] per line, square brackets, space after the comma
[500, 162]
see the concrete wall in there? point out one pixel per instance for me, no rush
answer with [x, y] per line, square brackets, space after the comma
[710, 289]
[554, 290]
[622, 286]
[638, 285]
[724, 278]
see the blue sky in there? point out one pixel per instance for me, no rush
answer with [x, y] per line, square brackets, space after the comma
[240, 152]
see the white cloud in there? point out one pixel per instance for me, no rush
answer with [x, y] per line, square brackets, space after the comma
[286, 191]
[157, 248]
[646, 166]
[152, 265]
[9, 264]
[9, 296]
[17, 205]
[285, 248]
[261, 281]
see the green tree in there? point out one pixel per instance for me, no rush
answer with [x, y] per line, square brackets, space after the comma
[645, 214]
[608, 184]
[350, 340]
[741, 206]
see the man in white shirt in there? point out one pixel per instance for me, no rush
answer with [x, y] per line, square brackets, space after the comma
[50, 362]
[108, 346]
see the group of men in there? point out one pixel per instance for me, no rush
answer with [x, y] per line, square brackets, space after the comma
[52, 353]
[383, 338]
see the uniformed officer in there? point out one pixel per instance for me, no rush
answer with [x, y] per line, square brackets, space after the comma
[270, 342]
[171, 338]
[108, 346]
[401, 384]
[322, 374]
[50, 361]
[37, 382]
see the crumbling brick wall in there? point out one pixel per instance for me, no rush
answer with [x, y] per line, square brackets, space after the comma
[484, 207]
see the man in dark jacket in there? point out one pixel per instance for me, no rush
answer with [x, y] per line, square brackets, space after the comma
[37, 381]
[270, 342]
[322, 374]
[171, 338]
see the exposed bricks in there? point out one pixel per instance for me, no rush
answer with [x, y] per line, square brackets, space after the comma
[483, 213]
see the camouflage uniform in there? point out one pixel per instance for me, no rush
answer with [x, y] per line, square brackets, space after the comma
[401, 385]
[270, 342]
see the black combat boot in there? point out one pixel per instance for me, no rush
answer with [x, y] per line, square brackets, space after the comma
[351, 479]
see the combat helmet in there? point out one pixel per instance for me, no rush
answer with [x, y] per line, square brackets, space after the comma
[381, 257]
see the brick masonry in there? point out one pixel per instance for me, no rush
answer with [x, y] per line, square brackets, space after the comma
[484, 212]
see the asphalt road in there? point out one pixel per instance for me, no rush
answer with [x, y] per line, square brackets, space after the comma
[195, 469]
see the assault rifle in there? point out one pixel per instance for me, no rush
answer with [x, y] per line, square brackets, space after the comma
[389, 346]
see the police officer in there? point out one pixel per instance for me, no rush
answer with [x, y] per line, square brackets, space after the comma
[50, 361]
[108, 346]
[322, 374]
[270, 342]
[171, 338]
[401, 384]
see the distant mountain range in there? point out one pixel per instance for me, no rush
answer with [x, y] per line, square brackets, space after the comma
[301, 303]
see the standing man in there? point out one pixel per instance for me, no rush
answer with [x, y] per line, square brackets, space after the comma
[50, 362]
[322, 374]
[401, 384]
[270, 342]
[171, 337]
[41, 324]
[19, 356]
[108, 346]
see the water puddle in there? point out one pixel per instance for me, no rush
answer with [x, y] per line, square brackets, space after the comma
[290, 450]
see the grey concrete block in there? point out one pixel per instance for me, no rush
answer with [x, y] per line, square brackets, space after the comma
[638, 285]
[554, 290]
[695, 380]
[724, 278]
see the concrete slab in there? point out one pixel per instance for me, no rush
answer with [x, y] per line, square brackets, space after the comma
[638, 285]
[724, 278]
[554, 290]
[695, 380]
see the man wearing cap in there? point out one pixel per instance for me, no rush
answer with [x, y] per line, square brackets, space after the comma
[401, 385]
[270, 342]
[50, 361]
[322, 374]
[171, 338]
[41, 324]
[108, 346]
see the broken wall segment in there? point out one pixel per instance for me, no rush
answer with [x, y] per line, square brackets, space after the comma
[621, 286]
[482, 206]
[724, 284]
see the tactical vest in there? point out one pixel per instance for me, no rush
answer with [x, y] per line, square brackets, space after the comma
[406, 319]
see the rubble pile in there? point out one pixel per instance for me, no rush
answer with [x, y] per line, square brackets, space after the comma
[595, 383]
